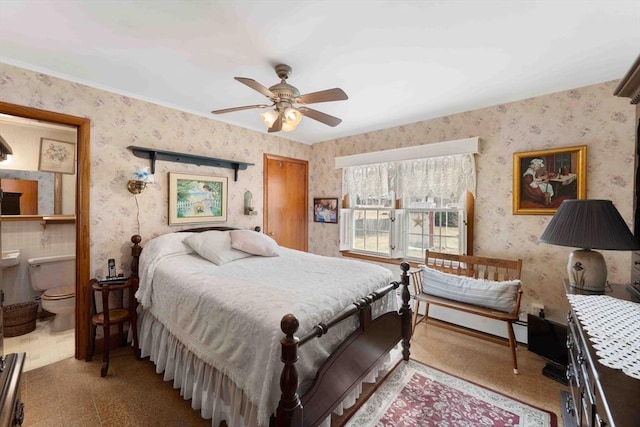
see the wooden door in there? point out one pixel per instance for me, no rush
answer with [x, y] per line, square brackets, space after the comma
[286, 196]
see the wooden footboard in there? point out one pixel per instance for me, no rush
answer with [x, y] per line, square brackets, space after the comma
[352, 361]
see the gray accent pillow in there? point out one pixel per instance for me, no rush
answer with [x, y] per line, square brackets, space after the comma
[499, 296]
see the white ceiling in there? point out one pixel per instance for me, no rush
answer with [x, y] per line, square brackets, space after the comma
[398, 61]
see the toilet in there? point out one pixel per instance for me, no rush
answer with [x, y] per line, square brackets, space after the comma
[56, 277]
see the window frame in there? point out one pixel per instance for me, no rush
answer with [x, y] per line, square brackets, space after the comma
[397, 255]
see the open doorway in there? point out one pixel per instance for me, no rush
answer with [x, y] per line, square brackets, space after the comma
[81, 211]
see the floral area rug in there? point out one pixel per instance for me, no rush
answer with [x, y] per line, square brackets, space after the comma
[417, 395]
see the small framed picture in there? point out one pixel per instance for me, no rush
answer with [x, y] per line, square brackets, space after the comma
[543, 179]
[325, 210]
[197, 198]
[57, 156]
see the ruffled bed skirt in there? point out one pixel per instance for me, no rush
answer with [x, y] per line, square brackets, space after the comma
[210, 391]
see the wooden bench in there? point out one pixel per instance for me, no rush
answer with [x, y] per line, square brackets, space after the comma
[477, 267]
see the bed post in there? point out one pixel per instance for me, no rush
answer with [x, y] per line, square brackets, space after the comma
[136, 249]
[135, 254]
[289, 399]
[405, 311]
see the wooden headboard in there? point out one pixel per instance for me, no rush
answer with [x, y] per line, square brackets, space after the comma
[216, 228]
[136, 249]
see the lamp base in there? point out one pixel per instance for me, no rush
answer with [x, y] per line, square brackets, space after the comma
[587, 270]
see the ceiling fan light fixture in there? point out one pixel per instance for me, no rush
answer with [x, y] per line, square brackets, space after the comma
[269, 117]
[290, 119]
[284, 116]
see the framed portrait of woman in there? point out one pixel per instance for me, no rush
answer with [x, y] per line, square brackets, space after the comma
[543, 179]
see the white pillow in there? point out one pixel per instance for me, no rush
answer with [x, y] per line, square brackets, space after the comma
[167, 244]
[214, 246]
[254, 243]
[499, 296]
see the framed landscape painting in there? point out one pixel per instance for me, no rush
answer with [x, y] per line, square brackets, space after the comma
[197, 198]
[543, 179]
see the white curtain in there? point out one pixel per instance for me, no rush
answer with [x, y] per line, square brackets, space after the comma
[369, 182]
[427, 182]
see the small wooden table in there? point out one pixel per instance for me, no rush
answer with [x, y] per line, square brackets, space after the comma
[110, 316]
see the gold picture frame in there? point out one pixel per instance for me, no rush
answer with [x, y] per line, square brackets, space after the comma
[197, 198]
[57, 156]
[543, 179]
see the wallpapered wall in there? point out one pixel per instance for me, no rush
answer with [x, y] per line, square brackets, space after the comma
[119, 121]
[589, 116]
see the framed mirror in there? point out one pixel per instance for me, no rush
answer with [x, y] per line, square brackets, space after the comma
[37, 190]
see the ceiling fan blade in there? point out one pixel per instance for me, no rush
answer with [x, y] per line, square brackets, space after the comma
[256, 86]
[277, 125]
[246, 107]
[320, 116]
[335, 94]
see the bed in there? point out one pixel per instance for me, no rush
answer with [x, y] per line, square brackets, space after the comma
[215, 315]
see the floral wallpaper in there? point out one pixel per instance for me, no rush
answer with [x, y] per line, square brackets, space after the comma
[119, 121]
[589, 116]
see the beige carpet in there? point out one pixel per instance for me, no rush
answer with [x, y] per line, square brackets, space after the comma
[72, 393]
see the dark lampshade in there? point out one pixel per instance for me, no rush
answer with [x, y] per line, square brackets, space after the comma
[589, 224]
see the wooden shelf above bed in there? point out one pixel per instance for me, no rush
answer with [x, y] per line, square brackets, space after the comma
[170, 156]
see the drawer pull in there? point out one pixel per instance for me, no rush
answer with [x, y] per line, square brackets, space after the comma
[581, 357]
[19, 414]
[569, 341]
[600, 422]
[570, 407]
[569, 372]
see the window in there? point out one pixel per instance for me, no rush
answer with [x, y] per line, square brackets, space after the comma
[396, 233]
[401, 208]
[440, 230]
[372, 230]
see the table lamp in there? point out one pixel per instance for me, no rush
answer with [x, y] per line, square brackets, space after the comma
[589, 224]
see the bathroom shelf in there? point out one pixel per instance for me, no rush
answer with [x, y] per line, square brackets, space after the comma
[57, 219]
[170, 156]
[44, 219]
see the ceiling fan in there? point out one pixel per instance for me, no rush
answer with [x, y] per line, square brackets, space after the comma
[289, 104]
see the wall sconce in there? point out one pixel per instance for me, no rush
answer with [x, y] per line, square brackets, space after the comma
[248, 204]
[136, 187]
[143, 177]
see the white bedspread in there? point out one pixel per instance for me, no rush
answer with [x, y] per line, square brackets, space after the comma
[229, 315]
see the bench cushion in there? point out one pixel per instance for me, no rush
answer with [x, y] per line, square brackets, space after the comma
[499, 296]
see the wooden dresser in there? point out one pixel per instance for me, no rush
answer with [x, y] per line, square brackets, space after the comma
[599, 396]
